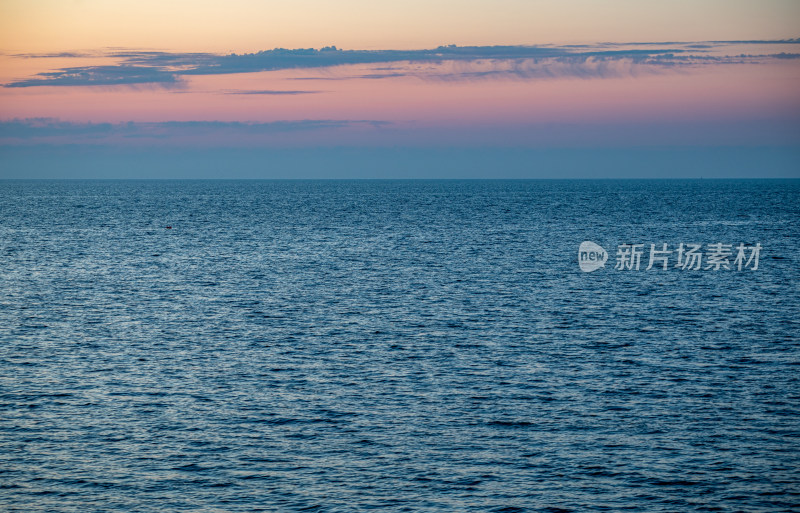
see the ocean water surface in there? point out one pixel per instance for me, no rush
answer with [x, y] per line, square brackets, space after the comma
[341, 346]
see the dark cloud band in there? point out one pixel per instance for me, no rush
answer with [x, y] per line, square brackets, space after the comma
[167, 69]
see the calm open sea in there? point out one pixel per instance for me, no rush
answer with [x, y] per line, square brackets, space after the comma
[396, 346]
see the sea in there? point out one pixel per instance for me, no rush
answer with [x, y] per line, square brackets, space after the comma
[409, 345]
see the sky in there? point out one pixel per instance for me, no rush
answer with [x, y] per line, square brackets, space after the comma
[433, 89]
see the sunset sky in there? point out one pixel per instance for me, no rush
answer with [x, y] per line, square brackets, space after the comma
[471, 88]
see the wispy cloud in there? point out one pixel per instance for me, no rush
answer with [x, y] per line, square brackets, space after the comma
[56, 55]
[46, 130]
[527, 69]
[598, 61]
[101, 75]
[268, 92]
[46, 127]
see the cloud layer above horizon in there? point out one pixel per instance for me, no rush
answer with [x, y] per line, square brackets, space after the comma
[169, 68]
[609, 95]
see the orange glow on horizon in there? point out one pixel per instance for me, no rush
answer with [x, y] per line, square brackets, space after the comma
[252, 25]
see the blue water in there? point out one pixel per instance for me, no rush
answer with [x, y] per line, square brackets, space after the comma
[395, 346]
